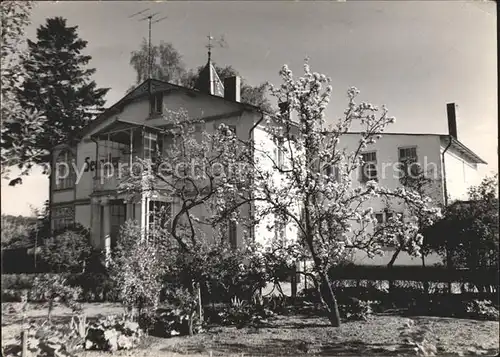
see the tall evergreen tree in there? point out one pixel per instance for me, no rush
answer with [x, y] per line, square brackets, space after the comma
[58, 83]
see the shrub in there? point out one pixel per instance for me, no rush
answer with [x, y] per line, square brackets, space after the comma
[357, 310]
[136, 270]
[67, 251]
[17, 281]
[240, 313]
[175, 321]
[54, 288]
[49, 341]
[112, 334]
[482, 309]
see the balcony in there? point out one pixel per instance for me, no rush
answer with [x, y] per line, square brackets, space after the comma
[118, 146]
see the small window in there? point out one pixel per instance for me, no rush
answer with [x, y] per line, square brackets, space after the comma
[160, 214]
[63, 217]
[65, 172]
[156, 104]
[409, 162]
[408, 154]
[332, 172]
[150, 146]
[384, 216]
[369, 167]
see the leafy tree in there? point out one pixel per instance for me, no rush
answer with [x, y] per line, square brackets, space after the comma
[137, 269]
[58, 83]
[166, 63]
[17, 231]
[414, 178]
[333, 216]
[19, 125]
[467, 235]
[188, 170]
[68, 250]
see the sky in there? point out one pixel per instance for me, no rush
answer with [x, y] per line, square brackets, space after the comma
[414, 57]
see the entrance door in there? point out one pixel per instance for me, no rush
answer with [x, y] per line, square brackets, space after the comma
[118, 212]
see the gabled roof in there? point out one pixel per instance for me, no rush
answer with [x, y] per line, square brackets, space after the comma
[155, 86]
[455, 144]
[462, 149]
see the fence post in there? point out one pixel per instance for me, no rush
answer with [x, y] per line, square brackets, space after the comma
[24, 342]
[294, 281]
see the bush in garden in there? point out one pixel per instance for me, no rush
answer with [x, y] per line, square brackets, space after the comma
[48, 341]
[357, 310]
[112, 333]
[482, 309]
[55, 288]
[136, 270]
[181, 318]
[95, 281]
[240, 313]
[17, 281]
[68, 250]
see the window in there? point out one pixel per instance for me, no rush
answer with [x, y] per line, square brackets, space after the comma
[118, 213]
[369, 168]
[65, 172]
[156, 104]
[332, 172]
[384, 216]
[160, 214]
[151, 146]
[63, 217]
[409, 161]
[408, 154]
[232, 234]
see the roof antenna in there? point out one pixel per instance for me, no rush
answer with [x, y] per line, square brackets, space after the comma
[151, 20]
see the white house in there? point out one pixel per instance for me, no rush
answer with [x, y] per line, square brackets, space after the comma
[132, 127]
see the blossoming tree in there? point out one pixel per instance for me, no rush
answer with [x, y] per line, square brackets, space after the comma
[310, 185]
[196, 173]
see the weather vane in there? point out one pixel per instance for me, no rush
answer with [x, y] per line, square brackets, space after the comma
[220, 42]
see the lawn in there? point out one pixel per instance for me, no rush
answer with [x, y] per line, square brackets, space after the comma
[294, 335]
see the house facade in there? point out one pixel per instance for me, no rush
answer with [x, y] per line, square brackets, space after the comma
[132, 128]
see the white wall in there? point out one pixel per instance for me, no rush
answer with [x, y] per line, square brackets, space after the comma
[460, 175]
[428, 153]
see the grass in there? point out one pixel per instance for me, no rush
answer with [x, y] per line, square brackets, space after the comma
[293, 336]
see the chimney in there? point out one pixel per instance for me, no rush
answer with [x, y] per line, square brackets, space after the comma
[451, 109]
[232, 88]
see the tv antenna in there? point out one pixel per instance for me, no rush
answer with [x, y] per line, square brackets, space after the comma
[152, 19]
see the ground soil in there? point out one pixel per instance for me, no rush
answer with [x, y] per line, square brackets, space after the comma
[294, 335]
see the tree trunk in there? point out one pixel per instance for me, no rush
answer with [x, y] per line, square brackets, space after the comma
[51, 308]
[390, 265]
[190, 323]
[329, 302]
[426, 282]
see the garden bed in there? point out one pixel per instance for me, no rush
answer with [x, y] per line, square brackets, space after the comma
[293, 335]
